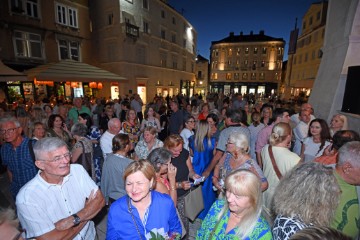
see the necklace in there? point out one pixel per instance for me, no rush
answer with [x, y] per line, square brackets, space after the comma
[119, 155]
[238, 161]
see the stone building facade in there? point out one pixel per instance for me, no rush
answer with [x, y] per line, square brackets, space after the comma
[147, 42]
[246, 64]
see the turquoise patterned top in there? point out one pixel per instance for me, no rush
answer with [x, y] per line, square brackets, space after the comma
[261, 230]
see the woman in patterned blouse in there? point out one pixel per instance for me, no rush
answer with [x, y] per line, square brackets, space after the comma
[132, 127]
[238, 215]
[147, 144]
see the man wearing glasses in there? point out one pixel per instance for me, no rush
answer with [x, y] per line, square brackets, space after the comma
[60, 201]
[16, 155]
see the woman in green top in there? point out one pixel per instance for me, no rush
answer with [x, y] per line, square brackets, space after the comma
[237, 216]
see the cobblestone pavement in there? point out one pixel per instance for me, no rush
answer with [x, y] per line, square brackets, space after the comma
[193, 228]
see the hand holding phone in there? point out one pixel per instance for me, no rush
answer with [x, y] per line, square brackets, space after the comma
[199, 180]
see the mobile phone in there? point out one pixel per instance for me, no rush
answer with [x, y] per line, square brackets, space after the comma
[199, 180]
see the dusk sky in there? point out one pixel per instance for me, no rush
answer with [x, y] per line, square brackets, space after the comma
[214, 20]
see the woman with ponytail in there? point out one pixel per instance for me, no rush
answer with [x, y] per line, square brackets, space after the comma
[284, 160]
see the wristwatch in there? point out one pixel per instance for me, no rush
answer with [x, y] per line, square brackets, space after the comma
[76, 220]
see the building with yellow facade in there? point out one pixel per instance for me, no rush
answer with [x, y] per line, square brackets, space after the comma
[201, 75]
[304, 62]
[246, 64]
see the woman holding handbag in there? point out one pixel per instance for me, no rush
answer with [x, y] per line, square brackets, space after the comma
[238, 215]
[143, 212]
[277, 160]
[83, 150]
[94, 134]
[181, 160]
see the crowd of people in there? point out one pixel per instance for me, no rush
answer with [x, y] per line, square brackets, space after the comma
[267, 170]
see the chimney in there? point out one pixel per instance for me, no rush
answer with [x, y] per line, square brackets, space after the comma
[241, 33]
[262, 32]
[251, 32]
[231, 34]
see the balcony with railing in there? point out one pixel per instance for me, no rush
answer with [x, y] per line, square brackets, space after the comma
[132, 31]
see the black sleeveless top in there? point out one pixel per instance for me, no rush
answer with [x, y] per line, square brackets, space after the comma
[182, 173]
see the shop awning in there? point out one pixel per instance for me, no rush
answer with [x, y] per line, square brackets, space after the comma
[7, 74]
[69, 70]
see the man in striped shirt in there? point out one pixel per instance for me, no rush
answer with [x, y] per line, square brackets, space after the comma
[60, 201]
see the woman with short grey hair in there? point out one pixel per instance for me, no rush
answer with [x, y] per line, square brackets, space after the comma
[306, 196]
[83, 150]
[165, 172]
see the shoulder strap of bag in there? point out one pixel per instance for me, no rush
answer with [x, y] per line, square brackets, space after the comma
[132, 216]
[83, 152]
[278, 174]
[31, 150]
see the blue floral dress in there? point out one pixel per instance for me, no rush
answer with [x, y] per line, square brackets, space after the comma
[95, 134]
[261, 231]
[249, 164]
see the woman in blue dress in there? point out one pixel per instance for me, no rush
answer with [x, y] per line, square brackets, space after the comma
[143, 213]
[202, 147]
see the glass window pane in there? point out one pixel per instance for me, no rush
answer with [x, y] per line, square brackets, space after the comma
[35, 49]
[20, 48]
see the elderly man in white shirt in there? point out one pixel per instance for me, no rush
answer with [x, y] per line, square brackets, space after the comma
[114, 126]
[295, 118]
[301, 130]
[60, 201]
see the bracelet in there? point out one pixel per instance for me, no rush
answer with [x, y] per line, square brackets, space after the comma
[215, 177]
[179, 185]
[173, 188]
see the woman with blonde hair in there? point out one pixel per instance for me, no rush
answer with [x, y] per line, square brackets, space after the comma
[147, 144]
[202, 146]
[306, 196]
[136, 215]
[277, 160]
[237, 157]
[338, 122]
[238, 215]
[266, 115]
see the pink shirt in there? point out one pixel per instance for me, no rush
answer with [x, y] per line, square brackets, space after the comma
[263, 137]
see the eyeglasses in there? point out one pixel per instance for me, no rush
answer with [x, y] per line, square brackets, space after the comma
[191, 121]
[10, 130]
[228, 142]
[67, 156]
